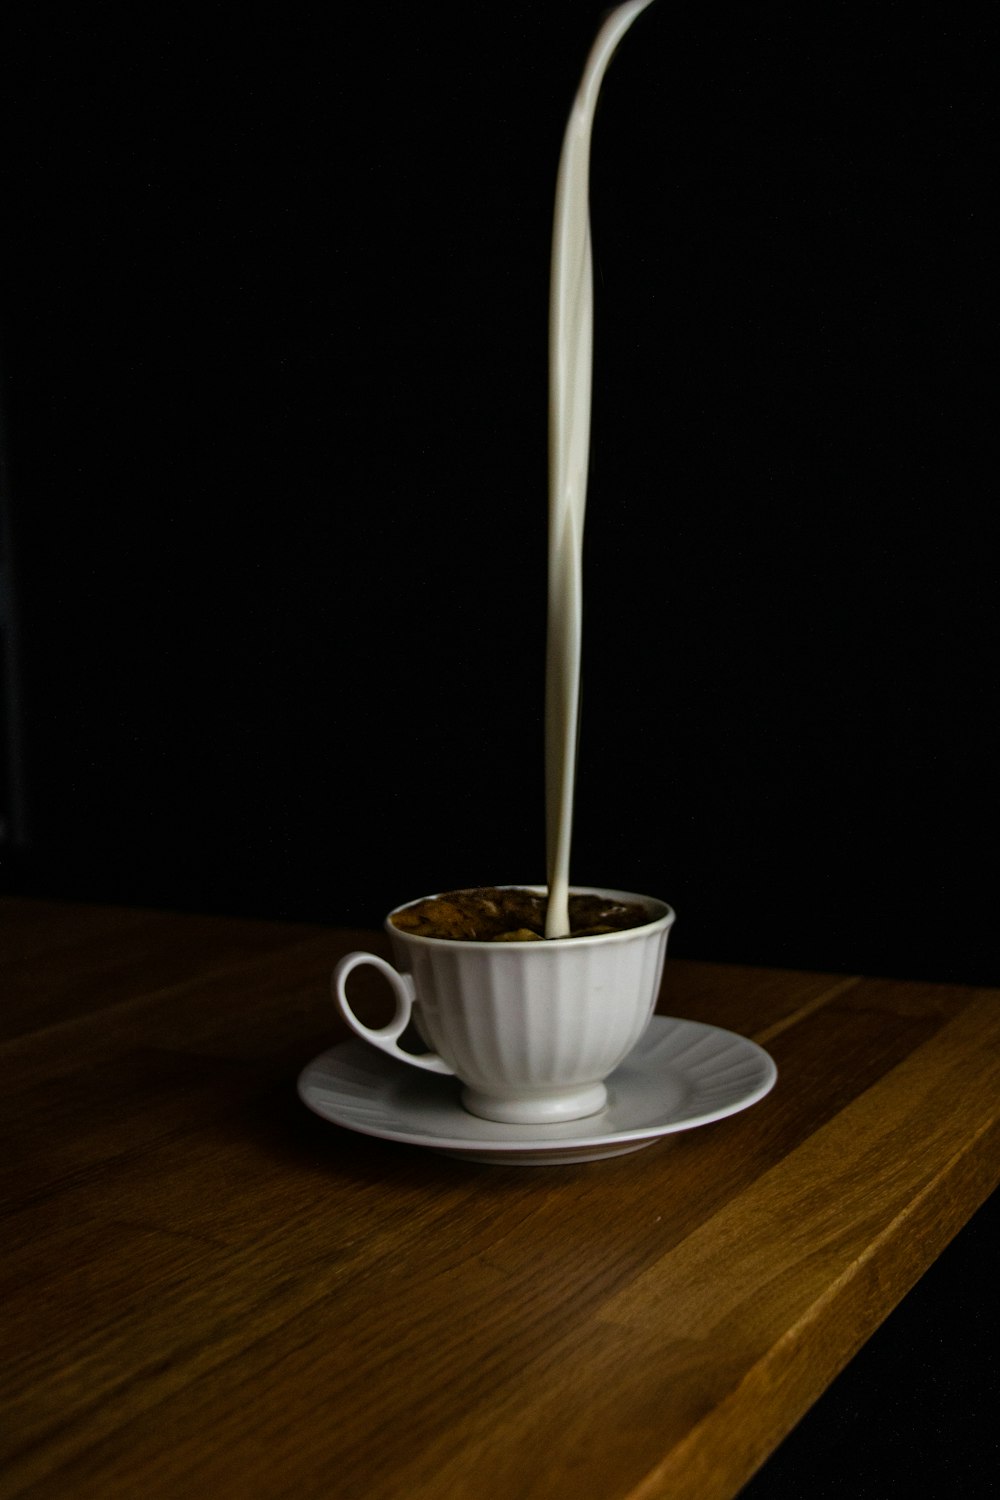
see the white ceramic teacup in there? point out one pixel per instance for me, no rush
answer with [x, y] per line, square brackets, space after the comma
[531, 1029]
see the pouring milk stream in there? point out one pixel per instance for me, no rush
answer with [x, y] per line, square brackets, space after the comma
[571, 338]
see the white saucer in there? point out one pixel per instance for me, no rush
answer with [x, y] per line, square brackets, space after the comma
[681, 1074]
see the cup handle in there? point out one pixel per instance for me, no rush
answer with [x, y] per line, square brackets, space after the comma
[384, 1037]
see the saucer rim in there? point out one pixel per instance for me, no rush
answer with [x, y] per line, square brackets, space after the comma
[532, 1138]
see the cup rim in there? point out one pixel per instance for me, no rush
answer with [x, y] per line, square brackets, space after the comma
[664, 920]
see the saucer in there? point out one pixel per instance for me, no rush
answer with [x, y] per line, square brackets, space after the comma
[681, 1074]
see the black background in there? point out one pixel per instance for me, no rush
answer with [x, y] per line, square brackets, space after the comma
[274, 348]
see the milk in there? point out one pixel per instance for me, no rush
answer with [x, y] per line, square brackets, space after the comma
[571, 339]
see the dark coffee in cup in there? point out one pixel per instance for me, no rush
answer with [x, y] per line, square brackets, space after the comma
[513, 914]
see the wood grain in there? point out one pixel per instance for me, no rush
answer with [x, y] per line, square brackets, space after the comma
[205, 1287]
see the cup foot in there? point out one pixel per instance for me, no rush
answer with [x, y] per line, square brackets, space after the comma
[537, 1109]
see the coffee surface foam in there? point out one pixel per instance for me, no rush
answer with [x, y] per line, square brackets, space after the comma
[511, 914]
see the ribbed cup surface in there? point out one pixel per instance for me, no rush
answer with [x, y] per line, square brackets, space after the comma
[520, 1019]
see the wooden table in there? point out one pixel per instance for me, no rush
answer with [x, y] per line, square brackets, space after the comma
[209, 1290]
